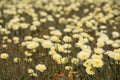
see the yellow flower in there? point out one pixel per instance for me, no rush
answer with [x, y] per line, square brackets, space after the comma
[117, 56]
[57, 56]
[97, 63]
[56, 33]
[100, 44]
[52, 52]
[40, 67]
[67, 45]
[115, 34]
[28, 59]
[55, 39]
[16, 59]
[32, 45]
[67, 39]
[75, 35]
[60, 48]
[36, 23]
[98, 50]
[47, 44]
[4, 56]
[90, 71]
[51, 28]
[34, 74]
[30, 71]
[87, 63]
[28, 53]
[74, 60]
[64, 60]
[33, 28]
[59, 61]
[83, 55]
[95, 56]
[67, 30]
[68, 68]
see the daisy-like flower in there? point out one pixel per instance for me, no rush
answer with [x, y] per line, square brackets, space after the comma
[4, 56]
[90, 71]
[68, 68]
[74, 60]
[98, 63]
[87, 63]
[41, 67]
[47, 44]
[56, 33]
[16, 59]
[67, 39]
[57, 57]
[32, 45]
[83, 55]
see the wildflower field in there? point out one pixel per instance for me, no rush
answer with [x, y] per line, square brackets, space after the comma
[59, 39]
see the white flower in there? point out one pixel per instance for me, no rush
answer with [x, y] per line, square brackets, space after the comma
[36, 23]
[26, 38]
[67, 46]
[15, 27]
[68, 68]
[56, 57]
[97, 63]
[24, 25]
[67, 39]
[64, 60]
[90, 71]
[115, 34]
[33, 28]
[28, 53]
[74, 60]
[98, 50]
[32, 45]
[56, 33]
[47, 44]
[55, 39]
[41, 67]
[30, 71]
[83, 55]
[4, 56]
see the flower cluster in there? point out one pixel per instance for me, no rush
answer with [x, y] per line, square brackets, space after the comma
[41, 37]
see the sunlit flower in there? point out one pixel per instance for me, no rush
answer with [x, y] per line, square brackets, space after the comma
[87, 63]
[95, 56]
[83, 55]
[41, 67]
[47, 44]
[16, 59]
[52, 52]
[32, 45]
[34, 74]
[115, 34]
[68, 67]
[30, 71]
[67, 46]
[98, 50]
[67, 39]
[4, 56]
[54, 39]
[90, 71]
[56, 33]
[27, 38]
[27, 53]
[74, 60]
[56, 57]
[64, 60]
[97, 63]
